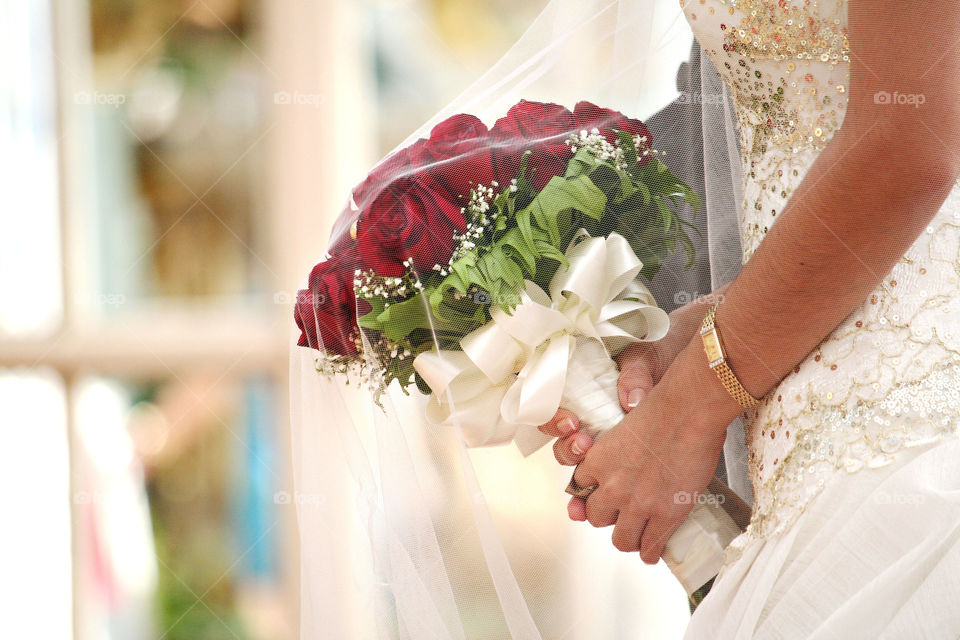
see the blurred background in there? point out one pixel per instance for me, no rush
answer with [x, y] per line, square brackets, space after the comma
[170, 171]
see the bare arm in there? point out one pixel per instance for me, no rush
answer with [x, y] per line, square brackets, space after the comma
[864, 201]
[862, 204]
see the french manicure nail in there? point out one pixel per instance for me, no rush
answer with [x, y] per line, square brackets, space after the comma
[634, 397]
[576, 448]
[567, 426]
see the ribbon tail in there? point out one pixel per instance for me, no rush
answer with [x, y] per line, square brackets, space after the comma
[534, 397]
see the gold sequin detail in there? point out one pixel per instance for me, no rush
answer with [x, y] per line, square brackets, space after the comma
[888, 376]
[803, 107]
[845, 439]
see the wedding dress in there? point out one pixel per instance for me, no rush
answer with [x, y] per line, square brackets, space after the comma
[853, 457]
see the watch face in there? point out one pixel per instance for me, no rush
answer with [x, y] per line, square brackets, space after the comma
[711, 345]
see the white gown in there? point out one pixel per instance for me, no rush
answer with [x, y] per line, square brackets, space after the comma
[854, 458]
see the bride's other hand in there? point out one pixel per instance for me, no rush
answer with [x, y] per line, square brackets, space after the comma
[638, 364]
[648, 468]
[641, 367]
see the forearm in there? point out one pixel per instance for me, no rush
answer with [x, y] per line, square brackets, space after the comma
[864, 201]
[852, 218]
[844, 229]
[685, 322]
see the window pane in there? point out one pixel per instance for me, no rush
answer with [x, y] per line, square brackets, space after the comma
[176, 123]
[179, 483]
[34, 486]
[30, 267]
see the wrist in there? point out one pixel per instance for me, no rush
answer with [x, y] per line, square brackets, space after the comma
[713, 408]
[685, 321]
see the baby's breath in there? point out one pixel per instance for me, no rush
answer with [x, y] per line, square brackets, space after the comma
[603, 150]
[368, 285]
[479, 215]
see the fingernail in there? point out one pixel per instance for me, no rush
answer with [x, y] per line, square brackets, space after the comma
[634, 397]
[576, 448]
[567, 426]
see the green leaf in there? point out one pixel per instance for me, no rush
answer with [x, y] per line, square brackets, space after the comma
[665, 214]
[520, 250]
[371, 320]
[690, 249]
[401, 318]
[629, 151]
[563, 194]
[422, 384]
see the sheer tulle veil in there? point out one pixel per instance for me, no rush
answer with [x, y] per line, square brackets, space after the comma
[400, 538]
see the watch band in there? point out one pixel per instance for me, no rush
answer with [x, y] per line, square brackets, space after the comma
[713, 347]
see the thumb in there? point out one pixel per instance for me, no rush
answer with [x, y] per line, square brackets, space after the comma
[635, 382]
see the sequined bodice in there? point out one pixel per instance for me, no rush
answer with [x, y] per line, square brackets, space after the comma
[889, 376]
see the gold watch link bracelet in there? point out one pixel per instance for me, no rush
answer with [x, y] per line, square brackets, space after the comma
[718, 360]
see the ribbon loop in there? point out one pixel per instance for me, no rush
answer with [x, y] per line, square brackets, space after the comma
[509, 376]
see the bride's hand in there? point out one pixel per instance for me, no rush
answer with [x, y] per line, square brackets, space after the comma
[648, 468]
[640, 367]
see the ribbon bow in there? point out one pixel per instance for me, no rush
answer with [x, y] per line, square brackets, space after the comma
[509, 375]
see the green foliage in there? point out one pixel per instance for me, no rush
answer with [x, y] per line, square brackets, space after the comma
[524, 237]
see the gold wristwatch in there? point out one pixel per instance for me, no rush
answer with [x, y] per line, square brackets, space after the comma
[718, 361]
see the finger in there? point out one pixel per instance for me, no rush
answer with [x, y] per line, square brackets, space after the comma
[599, 511]
[635, 382]
[654, 538]
[629, 530]
[583, 475]
[572, 449]
[577, 509]
[562, 424]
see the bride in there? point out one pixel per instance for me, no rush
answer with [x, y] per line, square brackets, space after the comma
[840, 336]
[838, 343]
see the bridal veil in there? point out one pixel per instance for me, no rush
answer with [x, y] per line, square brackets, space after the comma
[404, 532]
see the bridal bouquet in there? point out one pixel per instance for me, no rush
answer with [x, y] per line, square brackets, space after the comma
[500, 270]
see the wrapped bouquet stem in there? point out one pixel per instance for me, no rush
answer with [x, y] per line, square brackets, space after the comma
[694, 552]
[554, 350]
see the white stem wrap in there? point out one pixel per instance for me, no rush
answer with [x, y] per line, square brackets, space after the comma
[694, 552]
[590, 391]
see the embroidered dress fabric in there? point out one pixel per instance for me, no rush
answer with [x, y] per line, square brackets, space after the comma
[852, 457]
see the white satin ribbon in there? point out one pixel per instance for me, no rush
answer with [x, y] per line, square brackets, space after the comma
[509, 376]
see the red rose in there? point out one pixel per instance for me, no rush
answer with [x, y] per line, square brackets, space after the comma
[326, 311]
[413, 218]
[460, 153]
[405, 162]
[540, 127]
[589, 116]
[341, 235]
